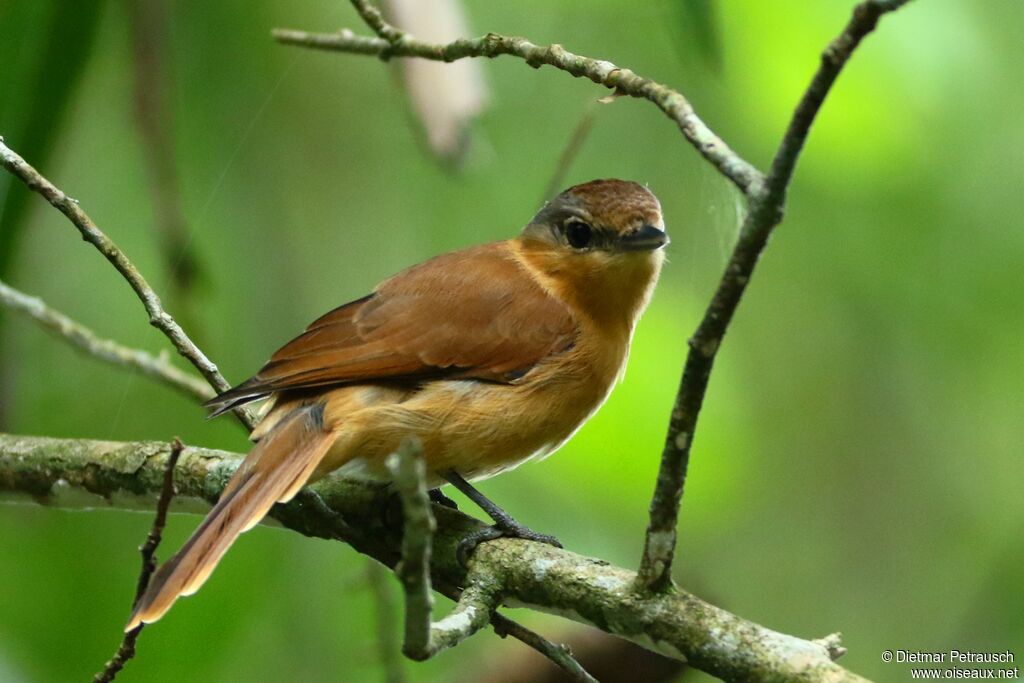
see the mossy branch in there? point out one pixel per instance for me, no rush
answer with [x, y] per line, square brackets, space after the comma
[585, 589]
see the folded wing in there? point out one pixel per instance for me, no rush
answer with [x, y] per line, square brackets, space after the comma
[475, 313]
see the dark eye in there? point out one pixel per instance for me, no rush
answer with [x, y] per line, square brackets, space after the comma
[578, 234]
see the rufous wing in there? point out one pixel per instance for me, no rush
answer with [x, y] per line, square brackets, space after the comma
[476, 313]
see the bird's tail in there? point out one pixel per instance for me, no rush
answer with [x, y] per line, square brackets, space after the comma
[274, 471]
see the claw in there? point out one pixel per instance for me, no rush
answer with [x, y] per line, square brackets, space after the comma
[468, 544]
[505, 524]
[515, 530]
[436, 496]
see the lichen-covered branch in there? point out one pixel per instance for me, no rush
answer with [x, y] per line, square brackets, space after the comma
[375, 20]
[158, 317]
[765, 212]
[588, 590]
[423, 637]
[84, 339]
[474, 605]
[623, 81]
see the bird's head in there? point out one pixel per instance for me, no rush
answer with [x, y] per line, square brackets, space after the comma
[609, 217]
[601, 243]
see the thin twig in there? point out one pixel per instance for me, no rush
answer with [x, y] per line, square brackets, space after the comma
[765, 212]
[375, 20]
[408, 472]
[570, 152]
[127, 649]
[158, 317]
[623, 81]
[163, 503]
[559, 655]
[81, 337]
[424, 638]
[474, 605]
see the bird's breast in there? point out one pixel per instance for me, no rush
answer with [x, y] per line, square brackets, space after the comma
[476, 428]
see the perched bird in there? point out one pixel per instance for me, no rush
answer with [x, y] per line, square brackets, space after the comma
[488, 356]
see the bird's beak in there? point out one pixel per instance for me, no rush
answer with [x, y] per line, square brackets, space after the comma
[646, 238]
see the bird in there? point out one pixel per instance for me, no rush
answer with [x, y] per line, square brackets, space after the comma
[487, 356]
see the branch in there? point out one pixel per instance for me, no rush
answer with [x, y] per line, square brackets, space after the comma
[158, 317]
[474, 606]
[81, 337]
[423, 638]
[623, 81]
[558, 654]
[127, 649]
[833, 59]
[375, 20]
[765, 212]
[585, 589]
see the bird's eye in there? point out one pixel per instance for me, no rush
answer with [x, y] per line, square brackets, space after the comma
[578, 234]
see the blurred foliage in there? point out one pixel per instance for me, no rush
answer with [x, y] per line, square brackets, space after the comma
[699, 30]
[858, 465]
[46, 47]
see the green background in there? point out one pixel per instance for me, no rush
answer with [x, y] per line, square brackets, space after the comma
[858, 464]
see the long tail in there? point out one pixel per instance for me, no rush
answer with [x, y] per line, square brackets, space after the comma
[274, 471]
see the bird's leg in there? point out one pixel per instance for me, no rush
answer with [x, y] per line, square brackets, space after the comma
[504, 523]
[437, 496]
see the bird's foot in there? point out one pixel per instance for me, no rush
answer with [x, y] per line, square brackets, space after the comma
[508, 528]
[436, 496]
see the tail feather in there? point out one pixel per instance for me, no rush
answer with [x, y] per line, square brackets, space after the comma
[250, 390]
[274, 471]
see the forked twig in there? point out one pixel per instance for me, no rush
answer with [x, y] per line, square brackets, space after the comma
[475, 604]
[764, 214]
[84, 339]
[148, 551]
[158, 317]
